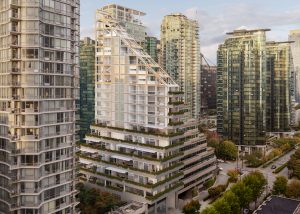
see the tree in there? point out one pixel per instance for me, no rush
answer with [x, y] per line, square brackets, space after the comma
[216, 191]
[280, 185]
[227, 150]
[221, 206]
[256, 182]
[213, 142]
[254, 159]
[275, 152]
[294, 163]
[233, 202]
[243, 193]
[210, 210]
[293, 189]
[94, 201]
[233, 175]
[191, 208]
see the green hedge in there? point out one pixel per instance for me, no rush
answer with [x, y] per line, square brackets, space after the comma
[155, 133]
[128, 167]
[135, 143]
[279, 169]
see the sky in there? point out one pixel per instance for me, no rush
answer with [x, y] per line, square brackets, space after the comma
[215, 17]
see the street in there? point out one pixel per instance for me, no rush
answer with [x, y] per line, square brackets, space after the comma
[268, 172]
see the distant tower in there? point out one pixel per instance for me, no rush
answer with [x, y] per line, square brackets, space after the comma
[86, 110]
[294, 35]
[151, 47]
[180, 57]
[278, 95]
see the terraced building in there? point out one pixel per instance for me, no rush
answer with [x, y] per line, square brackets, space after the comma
[143, 145]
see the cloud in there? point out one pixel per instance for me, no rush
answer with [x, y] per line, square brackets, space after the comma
[213, 27]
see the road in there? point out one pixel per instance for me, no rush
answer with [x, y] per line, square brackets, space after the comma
[268, 172]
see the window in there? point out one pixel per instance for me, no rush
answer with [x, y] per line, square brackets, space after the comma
[31, 53]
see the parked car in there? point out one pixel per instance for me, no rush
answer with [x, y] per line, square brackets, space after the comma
[273, 167]
[220, 161]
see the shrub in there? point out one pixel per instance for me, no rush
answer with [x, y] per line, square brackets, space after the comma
[233, 175]
[216, 191]
[191, 207]
[209, 183]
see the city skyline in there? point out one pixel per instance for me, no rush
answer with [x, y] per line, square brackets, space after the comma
[227, 16]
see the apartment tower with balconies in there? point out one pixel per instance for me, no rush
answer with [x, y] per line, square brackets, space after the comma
[294, 36]
[181, 58]
[39, 84]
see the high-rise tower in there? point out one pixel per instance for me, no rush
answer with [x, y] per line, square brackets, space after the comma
[86, 111]
[241, 88]
[151, 47]
[39, 85]
[181, 58]
[295, 47]
[278, 94]
[254, 90]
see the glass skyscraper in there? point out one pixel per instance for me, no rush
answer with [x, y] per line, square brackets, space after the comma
[151, 47]
[253, 88]
[241, 94]
[279, 75]
[86, 103]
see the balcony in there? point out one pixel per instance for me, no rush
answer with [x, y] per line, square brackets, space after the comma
[29, 137]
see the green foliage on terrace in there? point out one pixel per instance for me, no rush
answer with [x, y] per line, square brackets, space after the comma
[136, 143]
[152, 132]
[178, 112]
[176, 92]
[176, 103]
[175, 123]
[129, 167]
[152, 198]
[133, 155]
[133, 182]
